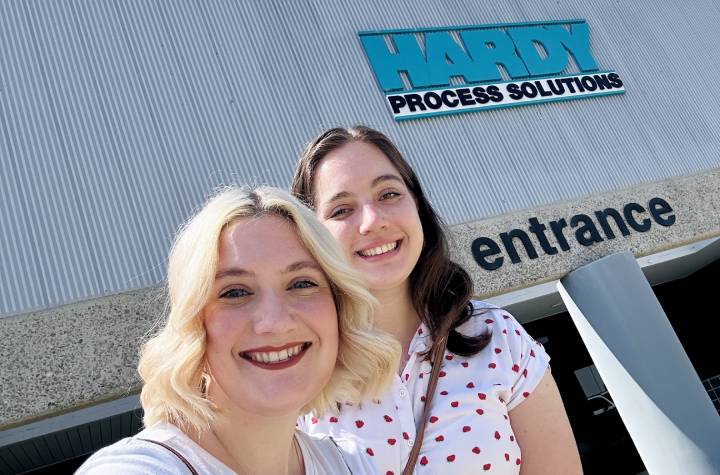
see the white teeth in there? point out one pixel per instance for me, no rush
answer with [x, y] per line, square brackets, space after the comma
[379, 250]
[275, 356]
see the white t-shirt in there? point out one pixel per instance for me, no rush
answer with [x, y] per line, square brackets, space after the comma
[137, 457]
[469, 429]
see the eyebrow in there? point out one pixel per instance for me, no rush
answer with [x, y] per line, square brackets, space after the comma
[388, 176]
[238, 272]
[375, 182]
[232, 272]
[295, 266]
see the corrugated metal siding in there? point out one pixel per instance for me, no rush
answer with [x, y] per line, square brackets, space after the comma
[117, 118]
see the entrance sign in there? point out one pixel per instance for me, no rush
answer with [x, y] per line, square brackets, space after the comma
[437, 71]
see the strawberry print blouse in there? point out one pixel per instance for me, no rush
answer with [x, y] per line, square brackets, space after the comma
[468, 430]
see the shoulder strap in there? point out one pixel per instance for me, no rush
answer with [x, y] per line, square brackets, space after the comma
[342, 454]
[177, 454]
[437, 358]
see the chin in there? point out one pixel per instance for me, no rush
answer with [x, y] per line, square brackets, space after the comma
[387, 282]
[290, 409]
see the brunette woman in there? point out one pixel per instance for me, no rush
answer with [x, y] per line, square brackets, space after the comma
[496, 407]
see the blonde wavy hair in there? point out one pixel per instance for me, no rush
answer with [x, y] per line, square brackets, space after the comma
[172, 362]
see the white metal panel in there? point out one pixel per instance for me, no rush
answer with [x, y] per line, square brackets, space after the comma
[117, 118]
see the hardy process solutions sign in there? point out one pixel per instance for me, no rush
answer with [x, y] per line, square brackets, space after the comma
[436, 71]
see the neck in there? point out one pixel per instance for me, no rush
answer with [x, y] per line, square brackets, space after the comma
[396, 315]
[251, 444]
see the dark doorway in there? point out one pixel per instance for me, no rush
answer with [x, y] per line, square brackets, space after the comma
[604, 443]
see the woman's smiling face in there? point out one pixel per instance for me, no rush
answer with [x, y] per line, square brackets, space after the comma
[364, 202]
[271, 321]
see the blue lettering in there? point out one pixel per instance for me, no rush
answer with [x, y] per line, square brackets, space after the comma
[387, 66]
[446, 58]
[490, 48]
[577, 43]
[525, 40]
[479, 56]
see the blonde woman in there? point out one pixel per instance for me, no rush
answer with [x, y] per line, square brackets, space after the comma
[266, 321]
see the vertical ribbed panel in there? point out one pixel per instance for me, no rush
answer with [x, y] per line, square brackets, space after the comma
[117, 118]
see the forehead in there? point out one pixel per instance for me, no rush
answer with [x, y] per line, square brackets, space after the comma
[351, 168]
[262, 241]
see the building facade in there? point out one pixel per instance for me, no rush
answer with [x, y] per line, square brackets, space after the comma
[118, 118]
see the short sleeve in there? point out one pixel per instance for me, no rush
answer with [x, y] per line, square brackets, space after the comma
[357, 462]
[530, 361]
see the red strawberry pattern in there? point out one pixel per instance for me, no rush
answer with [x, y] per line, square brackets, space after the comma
[469, 427]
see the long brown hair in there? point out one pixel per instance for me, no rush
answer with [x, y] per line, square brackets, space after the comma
[440, 289]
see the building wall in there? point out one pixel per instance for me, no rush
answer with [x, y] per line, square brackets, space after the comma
[117, 118]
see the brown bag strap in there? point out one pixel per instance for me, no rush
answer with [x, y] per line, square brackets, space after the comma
[177, 454]
[437, 358]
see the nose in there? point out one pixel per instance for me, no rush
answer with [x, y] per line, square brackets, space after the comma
[371, 218]
[272, 315]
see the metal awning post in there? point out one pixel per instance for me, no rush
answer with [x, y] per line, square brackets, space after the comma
[655, 387]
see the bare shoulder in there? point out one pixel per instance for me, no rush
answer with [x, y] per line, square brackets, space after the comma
[543, 432]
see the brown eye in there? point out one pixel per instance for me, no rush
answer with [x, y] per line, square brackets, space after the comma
[339, 212]
[389, 194]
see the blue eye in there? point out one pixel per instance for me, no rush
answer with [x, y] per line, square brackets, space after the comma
[303, 284]
[235, 293]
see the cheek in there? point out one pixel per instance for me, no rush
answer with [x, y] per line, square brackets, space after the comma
[412, 218]
[322, 317]
[342, 232]
[219, 328]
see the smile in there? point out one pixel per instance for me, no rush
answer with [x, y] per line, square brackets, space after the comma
[280, 358]
[379, 250]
